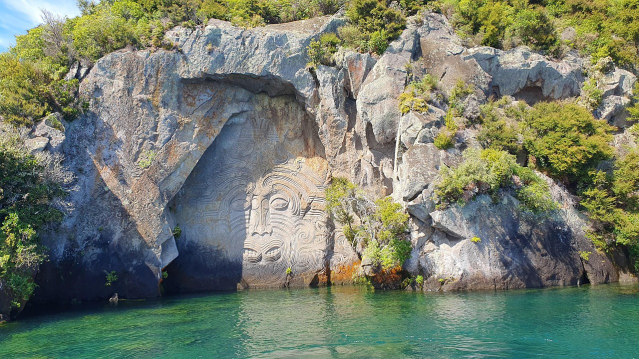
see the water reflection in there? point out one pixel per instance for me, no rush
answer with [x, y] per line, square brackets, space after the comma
[342, 322]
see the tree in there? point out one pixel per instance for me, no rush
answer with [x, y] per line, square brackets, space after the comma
[29, 185]
[377, 227]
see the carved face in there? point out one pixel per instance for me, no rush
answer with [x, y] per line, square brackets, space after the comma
[264, 207]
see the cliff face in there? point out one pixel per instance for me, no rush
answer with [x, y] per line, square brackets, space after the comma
[233, 141]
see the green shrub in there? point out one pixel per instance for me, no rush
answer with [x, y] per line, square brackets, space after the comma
[444, 140]
[591, 94]
[177, 232]
[25, 208]
[585, 255]
[321, 51]
[111, 278]
[415, 97]
[565, 140]
[377, 226]
[458, 93]
[535, 28]
[489, 170]
[376, 22]
[352, 37]
[475, 239]
[499, 131]
[146, 160]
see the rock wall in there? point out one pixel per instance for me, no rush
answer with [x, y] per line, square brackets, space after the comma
[233, 140]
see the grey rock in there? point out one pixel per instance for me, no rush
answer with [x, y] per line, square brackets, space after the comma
[420, 167]
[529, 76]
[444, 57]
[377, 102]
[517, 249]
[612, 109]
[37, 144]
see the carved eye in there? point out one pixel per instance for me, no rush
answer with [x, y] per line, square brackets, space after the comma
[240, 204]
[279, 203]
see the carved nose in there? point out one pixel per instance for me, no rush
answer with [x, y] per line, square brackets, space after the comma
[260, 220]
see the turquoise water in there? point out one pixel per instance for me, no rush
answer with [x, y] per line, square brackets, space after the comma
[350, 322]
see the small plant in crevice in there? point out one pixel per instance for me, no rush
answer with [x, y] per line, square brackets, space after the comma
[585, 255]
[146, 159]
[111, 278]
[416, 95]
[475, 239]
[321, 51]
[289, 271]
[177, 232]
[165, 274]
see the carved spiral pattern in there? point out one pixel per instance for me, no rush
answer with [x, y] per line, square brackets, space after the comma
[255, 199]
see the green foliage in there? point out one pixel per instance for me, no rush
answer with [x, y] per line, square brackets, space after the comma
[111, 278]
[24, 94]
[459, 92]
[289, 271]
[585, 255]
[592, 95]
[612, 202]
[321, 51]
[377, 226]
[535, 28]
[177, 232]
[25, 208]
[146, 159]
[444, 140]
[420, 280]
[633, 107]
[415, 97]
[377, 24]
[499, 131]
[604, 27]
[165, 274]
[475, 239]
[565, 140]
[489, 170]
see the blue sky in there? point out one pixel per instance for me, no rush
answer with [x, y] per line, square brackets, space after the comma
[16, 16]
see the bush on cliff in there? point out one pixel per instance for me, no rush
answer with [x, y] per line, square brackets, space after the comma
[29, 184]
[602, 27]
[612, 202]
[375, 229]
[489, 170]
[565, 140]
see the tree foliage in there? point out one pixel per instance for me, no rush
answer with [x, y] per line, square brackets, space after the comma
[377, 227]
[566, 140]
[489, 170]
[27, 189]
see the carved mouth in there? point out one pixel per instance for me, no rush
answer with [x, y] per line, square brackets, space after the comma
[273, 254]
[252, 256]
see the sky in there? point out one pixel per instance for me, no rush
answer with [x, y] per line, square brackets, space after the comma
[17, 16]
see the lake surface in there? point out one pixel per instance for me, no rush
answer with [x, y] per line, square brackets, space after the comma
[350, 322]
